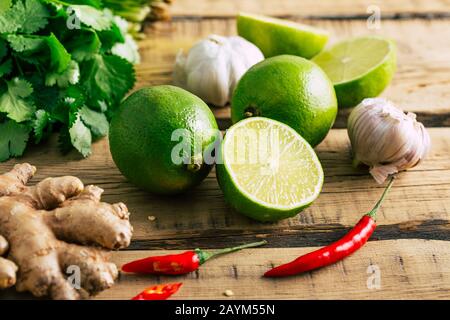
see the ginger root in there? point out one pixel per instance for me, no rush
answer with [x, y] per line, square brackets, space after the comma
[46, 229]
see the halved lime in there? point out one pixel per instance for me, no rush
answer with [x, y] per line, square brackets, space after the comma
[276, 36]
[267, 171]
[359, 68]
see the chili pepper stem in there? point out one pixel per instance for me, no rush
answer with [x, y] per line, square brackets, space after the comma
[205, 255]
[373, 213]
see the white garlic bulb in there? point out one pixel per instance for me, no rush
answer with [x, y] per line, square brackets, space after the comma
[213, 67]
[385, 138]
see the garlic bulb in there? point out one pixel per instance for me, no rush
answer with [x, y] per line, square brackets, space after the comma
[385, 138]
[213, 67]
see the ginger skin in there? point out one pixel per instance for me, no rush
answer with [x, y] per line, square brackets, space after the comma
[36, 222]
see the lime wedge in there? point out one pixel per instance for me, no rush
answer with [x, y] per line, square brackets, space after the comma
[275, 36]
[359, 68]
[267, 171]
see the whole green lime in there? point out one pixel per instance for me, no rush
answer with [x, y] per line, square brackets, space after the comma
[289, 89]
[159, 138]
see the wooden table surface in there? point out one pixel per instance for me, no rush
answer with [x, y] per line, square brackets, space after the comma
[411, 246]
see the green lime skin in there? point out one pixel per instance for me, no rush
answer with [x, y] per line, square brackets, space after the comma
[289, 89]
[141, 138]
[276, 36]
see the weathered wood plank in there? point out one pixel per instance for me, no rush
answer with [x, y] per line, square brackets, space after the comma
[409, 269]
[306, 8]
[420, 84]
[419, 201]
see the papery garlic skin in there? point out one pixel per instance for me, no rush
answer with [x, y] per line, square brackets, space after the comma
[385, 138]
[213, 67]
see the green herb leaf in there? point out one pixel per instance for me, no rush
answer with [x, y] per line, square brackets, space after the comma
[92, 17]
[69, 76]
[107, 78]
[110, 37]
[39, 124]
[16, 102]
[128, 50]
[60, 58]
[5, 5]
[20, 43]
[9, 22]
[13, 139]
[26, 16]
[96, 121]
[33, 14]
[81, 137]
[84, 45]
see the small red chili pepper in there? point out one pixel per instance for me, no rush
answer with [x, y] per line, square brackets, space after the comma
[158, 292]
[175, 264]
[336, 251]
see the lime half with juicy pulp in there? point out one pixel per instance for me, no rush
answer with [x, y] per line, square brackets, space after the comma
[359, 68]
[276, 36]
[267, 171]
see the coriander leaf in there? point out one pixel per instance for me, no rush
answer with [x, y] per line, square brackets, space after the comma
[39, 124]
[5, 5]
[84, 45]
[110, 37]
[128, 50]
[92, 17]
[21, 43]
[69, 76]
[16, 100]
[107, 78]
[27, 16]
[13, 139]
[81, 137]
[5, 68]
[60, 58]
[9, 22]
[96, 121]
[44, 97]
[34, 15]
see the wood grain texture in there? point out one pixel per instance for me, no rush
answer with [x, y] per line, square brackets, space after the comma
[409, 269]
[307, 8]
[420, 84]
[419, 201]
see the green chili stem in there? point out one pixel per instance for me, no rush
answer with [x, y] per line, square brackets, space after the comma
[205, 256]
[373, 213]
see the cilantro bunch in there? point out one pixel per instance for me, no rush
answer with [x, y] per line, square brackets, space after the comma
[64, 66]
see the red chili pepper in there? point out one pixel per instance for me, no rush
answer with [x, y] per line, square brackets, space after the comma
[158, 292]
[336, 251]
[175, 264]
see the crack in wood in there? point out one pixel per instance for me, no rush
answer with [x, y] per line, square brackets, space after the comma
[362, 16]
[299, 236]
